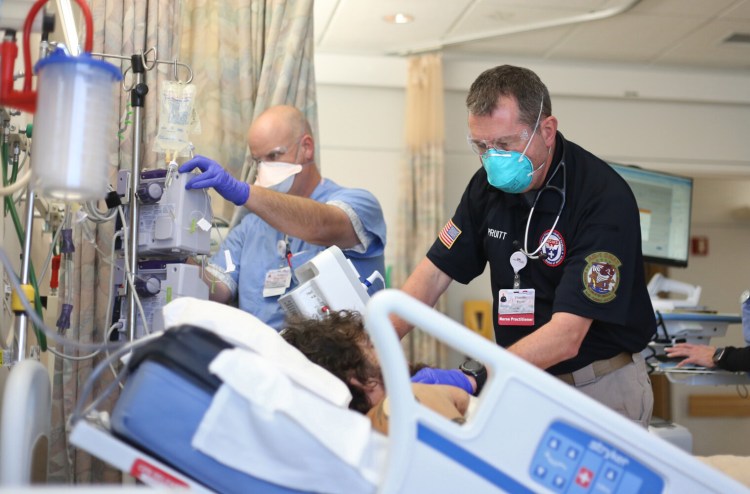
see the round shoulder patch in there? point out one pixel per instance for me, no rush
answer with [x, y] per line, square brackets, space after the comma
[553, 249]
[601, 277]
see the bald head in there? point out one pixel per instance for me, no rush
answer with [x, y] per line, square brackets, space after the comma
[278, 126]
[282, 134]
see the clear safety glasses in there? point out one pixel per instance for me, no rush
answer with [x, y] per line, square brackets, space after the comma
[276, 153]
[507, 143]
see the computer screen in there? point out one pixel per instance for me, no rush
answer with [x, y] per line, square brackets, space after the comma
[664, 201]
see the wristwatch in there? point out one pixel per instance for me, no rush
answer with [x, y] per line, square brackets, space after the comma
[718, 354]
[477, 370]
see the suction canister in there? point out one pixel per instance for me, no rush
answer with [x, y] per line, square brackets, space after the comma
[74, 126]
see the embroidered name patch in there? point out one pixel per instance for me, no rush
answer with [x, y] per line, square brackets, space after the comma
[553, 248]
[449, 234]
[601, 277]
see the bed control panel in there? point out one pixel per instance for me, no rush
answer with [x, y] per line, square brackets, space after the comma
[570, 460]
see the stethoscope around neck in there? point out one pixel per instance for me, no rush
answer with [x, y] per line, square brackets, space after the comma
[537, 254]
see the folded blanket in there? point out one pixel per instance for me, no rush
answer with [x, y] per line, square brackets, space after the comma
[737, 467]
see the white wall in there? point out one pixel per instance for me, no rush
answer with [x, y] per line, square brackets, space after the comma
[690, 123]
[361, 137]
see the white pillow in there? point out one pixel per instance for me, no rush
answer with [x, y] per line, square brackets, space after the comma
[244, 330]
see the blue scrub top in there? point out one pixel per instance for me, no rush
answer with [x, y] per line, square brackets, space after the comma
[253, 247]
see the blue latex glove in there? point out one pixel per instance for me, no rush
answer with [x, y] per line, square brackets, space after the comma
[451, 377]
[217, 177]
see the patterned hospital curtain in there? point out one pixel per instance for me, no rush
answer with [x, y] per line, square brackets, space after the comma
[122, 27]
[421, 195]
[247, 55]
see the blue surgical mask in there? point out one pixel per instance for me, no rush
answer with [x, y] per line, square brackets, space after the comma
[511, 171]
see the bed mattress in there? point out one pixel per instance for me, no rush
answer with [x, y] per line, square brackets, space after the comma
[163, 401]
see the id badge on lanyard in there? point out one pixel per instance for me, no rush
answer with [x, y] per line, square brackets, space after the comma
[515, 306]
[278, 280]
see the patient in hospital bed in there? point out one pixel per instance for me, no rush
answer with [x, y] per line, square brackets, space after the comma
[294, 389]
[340, 344]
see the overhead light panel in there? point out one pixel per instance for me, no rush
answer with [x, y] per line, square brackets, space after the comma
[399, 18]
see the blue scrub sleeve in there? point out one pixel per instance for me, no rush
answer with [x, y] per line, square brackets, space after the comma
[369, 223]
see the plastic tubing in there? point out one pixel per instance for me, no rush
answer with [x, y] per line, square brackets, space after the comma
[11, 207]
[66, 250]
[19, 184]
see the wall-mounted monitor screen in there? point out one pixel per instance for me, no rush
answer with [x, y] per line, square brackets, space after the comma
[664, 202]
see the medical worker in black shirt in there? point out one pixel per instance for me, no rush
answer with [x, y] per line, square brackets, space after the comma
[560, 230]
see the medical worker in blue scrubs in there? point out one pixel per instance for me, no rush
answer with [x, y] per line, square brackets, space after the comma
[295, 214]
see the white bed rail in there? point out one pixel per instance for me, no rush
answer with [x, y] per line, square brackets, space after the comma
[25, 425]
[523, 414]
[403, 407]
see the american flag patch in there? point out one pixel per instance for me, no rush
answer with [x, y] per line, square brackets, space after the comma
[449, 234]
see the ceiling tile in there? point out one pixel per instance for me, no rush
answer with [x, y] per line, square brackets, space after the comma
[625, 38]
[491, 17]
[739, 11]
[358, 25]
[670, 32]
[682, 8]
[574, 5]
[705, 47]
[531, 44]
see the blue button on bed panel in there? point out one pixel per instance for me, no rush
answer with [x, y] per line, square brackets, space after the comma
[576, 462]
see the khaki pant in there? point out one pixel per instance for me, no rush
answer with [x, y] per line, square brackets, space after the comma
[627, 391]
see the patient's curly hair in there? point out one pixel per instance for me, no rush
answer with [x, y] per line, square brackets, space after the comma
[335, 343]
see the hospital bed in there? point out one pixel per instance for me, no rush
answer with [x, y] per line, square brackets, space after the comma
[25, 404]
[529, 433]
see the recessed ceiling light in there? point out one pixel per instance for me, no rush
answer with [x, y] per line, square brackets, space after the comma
[399, 18]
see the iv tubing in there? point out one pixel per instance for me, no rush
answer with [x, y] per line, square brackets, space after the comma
[37, 319]
[20, 233]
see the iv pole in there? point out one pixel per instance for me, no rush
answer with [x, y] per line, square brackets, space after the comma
[22, 319]
[137, 100]
[138, 91]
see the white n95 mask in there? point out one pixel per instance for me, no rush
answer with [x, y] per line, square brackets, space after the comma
[277, 175]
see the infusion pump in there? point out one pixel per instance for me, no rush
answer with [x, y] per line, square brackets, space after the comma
[172, 221]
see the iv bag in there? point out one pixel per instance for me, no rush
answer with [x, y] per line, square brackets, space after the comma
[175, 117]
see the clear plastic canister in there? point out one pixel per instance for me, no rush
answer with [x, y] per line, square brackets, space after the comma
[74, 126]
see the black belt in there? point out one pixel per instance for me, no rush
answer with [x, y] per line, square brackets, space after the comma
[595, 370]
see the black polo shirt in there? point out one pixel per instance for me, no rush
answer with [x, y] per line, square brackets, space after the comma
[594, 264]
